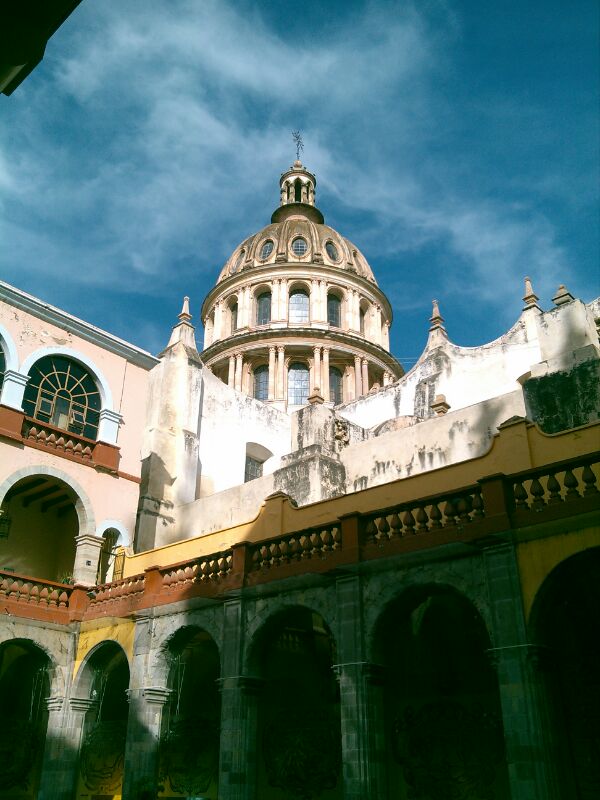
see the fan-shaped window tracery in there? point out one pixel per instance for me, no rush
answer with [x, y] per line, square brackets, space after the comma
[62, 392]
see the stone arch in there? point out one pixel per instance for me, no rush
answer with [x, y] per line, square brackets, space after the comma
[82, 680]
[259, 627]
[69, 352]
[439, 701]
[83, 506]
[25, 686]
[9, 349]
[564, 624]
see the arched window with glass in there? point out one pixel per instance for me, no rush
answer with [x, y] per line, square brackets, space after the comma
[335, 386]
[334, 310]
[263, 308]
[62, 392]
[298, 384]
[234, 317]
[261, 382]
[299, 307]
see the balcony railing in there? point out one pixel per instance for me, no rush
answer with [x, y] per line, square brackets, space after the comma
[500, 503]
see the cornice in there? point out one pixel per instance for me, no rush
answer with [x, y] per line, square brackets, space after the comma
[308, 271]
[269, 337]
[48, 313]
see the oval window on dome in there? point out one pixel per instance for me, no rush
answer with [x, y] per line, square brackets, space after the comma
[266, 249]
[332, 251]
[299, 246]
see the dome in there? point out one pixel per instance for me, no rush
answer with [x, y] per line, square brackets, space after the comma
[297, 240]
[297, 234]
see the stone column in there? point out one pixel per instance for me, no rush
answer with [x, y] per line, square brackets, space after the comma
[58, 777]
[357, 378]
[143, 737]
[323, 285]
[239, 360]
[361, 701]
[355, 325]
[317, 370]
[280, 372]
[87, 556]
[386, 378]
[284, 291]
[231, 373]
[272, 372]
[314, 300]
[530, 764]
[325, 375]
[275, 304]
[386, 336]
[365, 376]
[108, 428]
[238, 746]
[377, 325]
[218, 326]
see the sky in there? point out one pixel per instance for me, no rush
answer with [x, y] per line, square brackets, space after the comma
[455, 142]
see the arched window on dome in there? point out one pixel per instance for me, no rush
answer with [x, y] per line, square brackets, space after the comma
[298, 384]
[261, 382]
[298, 191]
[334, 310]
[299, 306]
[335, 386]
[62, 392]
[233, 317]
[263, 308]
[363, 314]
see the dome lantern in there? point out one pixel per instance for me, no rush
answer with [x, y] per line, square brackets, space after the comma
[297, 195]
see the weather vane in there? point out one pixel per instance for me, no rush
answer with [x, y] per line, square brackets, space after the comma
[297, 137]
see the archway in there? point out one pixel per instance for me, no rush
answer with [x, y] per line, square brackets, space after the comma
[103, 681]
[442, 716]
[566, 623]
[299, 739]
[41, 524]
[189, 749]
[24, 688]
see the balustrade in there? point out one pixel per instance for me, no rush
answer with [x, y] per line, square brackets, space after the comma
[211, 568]
[57, 439]
[534, 490]
[34, 593]
[295, 547]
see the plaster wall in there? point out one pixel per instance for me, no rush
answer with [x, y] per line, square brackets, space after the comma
[230, 421]
[433, 443]
[127, 382]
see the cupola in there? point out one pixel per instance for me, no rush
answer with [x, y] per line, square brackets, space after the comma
[297, 195]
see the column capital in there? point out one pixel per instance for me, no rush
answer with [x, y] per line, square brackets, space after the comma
[82, 704]
[55, 703]
[272, 348]
[280, 348]
[154, 695]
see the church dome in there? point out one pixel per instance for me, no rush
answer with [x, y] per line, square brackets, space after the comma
[297, 234]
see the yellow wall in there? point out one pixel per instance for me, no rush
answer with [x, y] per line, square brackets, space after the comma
[101, 630]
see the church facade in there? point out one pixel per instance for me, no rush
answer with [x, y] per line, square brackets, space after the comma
[300, 572]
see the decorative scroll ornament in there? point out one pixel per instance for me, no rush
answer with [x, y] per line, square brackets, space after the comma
[19, 742]
[102, 756]
[449, 752]
[190, 755]
[302, 752]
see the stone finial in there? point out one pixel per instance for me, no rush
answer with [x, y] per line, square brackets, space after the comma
[316, 398]
[185, 315]
[436, 319]
[439, 405]
[530, 299]
[562, 296]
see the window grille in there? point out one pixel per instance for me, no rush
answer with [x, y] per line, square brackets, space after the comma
[61, 392]
[254, 469]
[299, 246]
[334, 311]
[298, 384]
[335, 386]
[261, 383]
[263, 308]
[298, 307]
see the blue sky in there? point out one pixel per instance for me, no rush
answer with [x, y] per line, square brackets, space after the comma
[455, 142]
